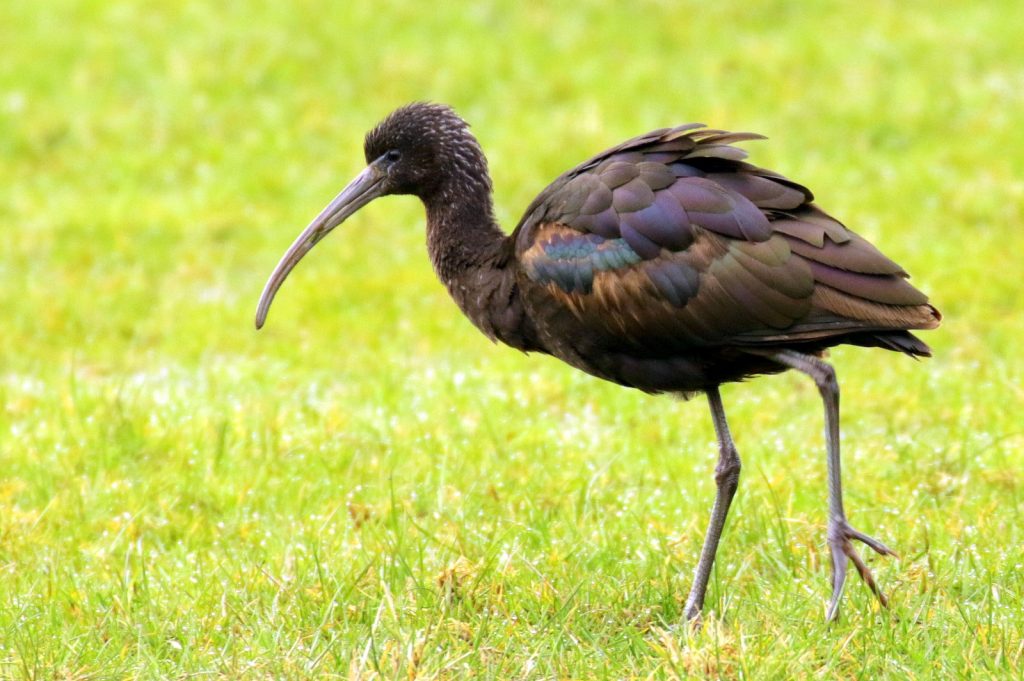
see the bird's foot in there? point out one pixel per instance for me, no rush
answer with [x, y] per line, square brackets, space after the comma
[691, 616]
[693, 619]
[840, 541]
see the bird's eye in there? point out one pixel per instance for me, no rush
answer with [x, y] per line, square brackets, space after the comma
[393, 155]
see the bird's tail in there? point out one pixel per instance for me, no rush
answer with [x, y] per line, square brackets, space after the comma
[902, 341]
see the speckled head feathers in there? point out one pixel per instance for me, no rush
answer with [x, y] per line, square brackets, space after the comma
[431, 143]
[416, 124]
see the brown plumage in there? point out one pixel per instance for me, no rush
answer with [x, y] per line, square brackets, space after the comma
[667, 264]
[730, 257]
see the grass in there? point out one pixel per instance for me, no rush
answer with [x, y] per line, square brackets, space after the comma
[368, 488]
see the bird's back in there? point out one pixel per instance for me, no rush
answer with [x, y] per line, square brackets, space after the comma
[660, 262]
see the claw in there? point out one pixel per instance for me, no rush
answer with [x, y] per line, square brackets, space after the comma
[839, 535]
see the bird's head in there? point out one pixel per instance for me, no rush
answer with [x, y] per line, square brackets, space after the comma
[415, 150]
[418, 146]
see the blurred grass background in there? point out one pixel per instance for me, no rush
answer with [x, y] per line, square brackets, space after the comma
[367, 488]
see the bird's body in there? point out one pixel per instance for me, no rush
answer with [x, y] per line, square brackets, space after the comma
[666, 263]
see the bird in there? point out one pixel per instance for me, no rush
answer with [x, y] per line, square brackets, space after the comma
[666, 263]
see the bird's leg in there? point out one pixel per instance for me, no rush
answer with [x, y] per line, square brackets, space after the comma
[727, 476]
[840, 533]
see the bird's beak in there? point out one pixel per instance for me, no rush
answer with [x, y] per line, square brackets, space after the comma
[367, 186]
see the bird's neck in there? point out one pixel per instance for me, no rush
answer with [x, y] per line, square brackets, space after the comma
[474, 259]
[462, 234]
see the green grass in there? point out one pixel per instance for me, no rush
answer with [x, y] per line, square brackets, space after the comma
[368, 488]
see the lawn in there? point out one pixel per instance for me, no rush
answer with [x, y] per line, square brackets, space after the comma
[368, 488]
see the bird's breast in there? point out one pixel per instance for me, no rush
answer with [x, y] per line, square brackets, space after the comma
[490, 298]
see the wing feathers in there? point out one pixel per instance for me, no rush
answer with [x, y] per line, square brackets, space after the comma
[671, 240]
[880, 288]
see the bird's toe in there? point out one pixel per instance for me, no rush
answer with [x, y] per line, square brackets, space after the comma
[840, 538]
[877, 546]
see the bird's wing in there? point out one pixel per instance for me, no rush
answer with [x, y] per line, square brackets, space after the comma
[672, 239]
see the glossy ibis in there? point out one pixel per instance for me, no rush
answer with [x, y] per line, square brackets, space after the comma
[666, 264]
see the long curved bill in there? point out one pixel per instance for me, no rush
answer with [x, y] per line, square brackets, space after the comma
[360, 191]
